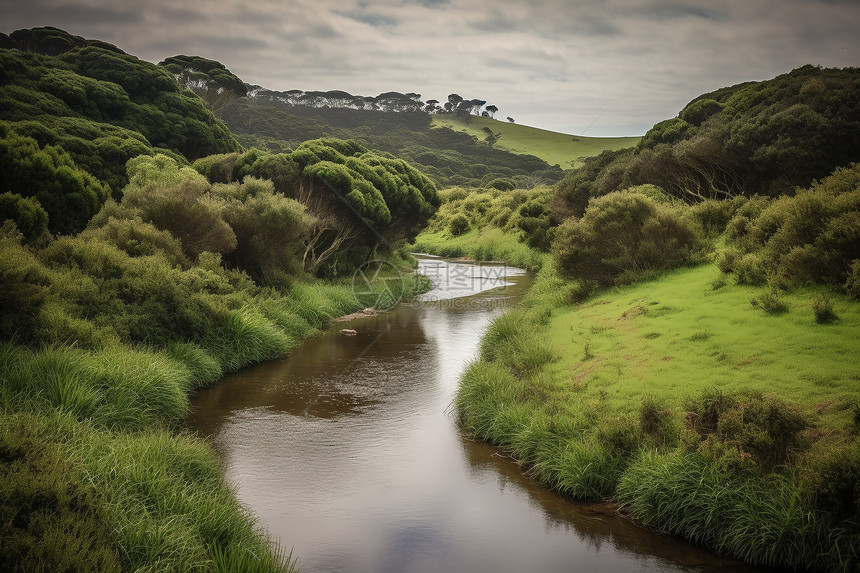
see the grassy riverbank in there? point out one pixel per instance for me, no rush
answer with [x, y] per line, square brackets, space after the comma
[701, 414]
[96, 471]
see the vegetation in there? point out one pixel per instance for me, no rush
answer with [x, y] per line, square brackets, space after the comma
[99, 104]
[564, 150]
[491, 225]
[143, 254]
[448, 157]
[663, 395]
[755, 138]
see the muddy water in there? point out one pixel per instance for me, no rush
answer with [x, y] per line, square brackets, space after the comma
[347, 453]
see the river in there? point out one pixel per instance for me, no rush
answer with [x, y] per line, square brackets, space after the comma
[348, 453]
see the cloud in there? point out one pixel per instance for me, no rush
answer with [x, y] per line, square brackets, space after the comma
[618, 66]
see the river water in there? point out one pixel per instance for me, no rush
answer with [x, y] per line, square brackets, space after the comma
[348, 453]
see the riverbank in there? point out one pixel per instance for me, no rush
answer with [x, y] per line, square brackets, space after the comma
[698, 412]
[97, 473]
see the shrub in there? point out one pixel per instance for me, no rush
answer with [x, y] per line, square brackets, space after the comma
[24, 282]
[852, 284]
[770, 302]
[655, 421]
[744, 428]
[458, 224]
[832, 478]
[269, 228]
[822, 307]
[623, 233]
[68, 194]
[27, 214]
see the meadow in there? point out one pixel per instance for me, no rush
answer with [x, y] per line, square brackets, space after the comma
[562, 149]
[697, 412]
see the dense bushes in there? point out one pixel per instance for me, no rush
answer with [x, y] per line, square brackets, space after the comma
[100, 105]
[755, 138]
[810, 237]
[622, 236]
[67, 194]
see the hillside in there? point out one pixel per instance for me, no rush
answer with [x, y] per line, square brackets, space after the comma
[446, 156]
[564, 150]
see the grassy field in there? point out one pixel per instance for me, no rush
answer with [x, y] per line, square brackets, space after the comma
[680, 336]
[698, 412]
[561, 149]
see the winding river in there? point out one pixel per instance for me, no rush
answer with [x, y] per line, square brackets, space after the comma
[348, 453]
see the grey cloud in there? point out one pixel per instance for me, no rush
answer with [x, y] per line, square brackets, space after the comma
[664, 12]
[371, 19]
[30, 14]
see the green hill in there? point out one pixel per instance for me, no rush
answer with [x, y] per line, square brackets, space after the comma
[562, 149]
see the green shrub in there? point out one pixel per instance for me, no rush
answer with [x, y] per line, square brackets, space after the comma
[852, 284]
[832, 478]
[655, 421]
[749, 270]
[822, 307]
[27, 214]
[24, 289]
[745, 429]
[770, 302]
[458, 224]
[69, 195]
[623, 233]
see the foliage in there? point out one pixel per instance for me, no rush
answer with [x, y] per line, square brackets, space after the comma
[50, 517]
[810, 237]
[623, 235]
[822, 308]
[446, 156]
[27, 215]
[269, 228]
[48, 174]
[209, 79]
[101, 105]
[754, 138]
[359, 201]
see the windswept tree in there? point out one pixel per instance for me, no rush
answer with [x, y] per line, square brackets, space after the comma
[510, 119]
[363, 201]
[209, 79]
[491, 109]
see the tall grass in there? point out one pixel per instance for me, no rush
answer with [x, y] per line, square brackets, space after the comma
[660, 396]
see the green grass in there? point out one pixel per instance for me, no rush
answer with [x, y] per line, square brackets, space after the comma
[677, 336]
[701, 414]
[566, 151]
[95, 471]
[488, 244]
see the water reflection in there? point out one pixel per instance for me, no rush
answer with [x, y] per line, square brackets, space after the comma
[346, 451]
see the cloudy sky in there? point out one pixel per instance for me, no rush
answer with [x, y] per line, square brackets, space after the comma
[592, 67]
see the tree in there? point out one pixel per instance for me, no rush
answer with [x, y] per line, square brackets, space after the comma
[209, 79]
[491, 109]
[510, 119]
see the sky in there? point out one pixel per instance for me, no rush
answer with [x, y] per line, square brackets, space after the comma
[585, 67]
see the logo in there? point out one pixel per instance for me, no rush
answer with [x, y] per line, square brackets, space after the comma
[378, 284]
